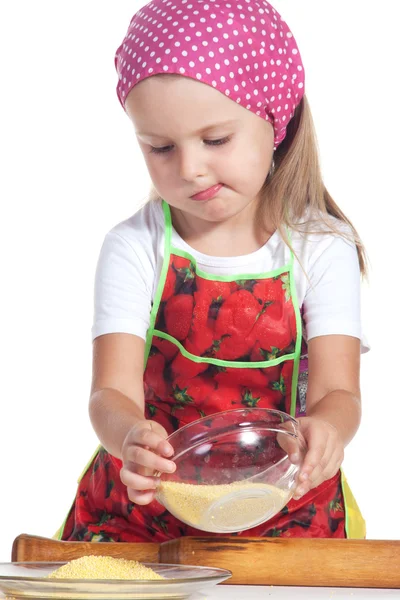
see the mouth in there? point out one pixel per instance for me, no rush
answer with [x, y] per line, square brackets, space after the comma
[208, 193]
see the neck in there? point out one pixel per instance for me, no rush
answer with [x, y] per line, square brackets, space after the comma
[241, 234]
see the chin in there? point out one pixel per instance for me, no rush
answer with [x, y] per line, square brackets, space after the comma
[218, 211]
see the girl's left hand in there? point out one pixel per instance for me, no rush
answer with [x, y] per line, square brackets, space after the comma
[325, 453]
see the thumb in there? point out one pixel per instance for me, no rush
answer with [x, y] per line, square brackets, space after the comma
[164, 447]
[293, 446]
[157, 428]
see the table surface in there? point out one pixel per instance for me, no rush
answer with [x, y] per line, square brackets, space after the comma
[266, 592]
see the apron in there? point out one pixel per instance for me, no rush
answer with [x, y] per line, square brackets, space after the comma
[214, 343]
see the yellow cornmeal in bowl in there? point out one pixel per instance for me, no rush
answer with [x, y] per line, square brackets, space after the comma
[246, 503]
[104, 567]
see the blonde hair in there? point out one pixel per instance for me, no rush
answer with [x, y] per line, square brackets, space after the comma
[294, 188]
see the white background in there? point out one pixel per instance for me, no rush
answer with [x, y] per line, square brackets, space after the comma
[71, 170]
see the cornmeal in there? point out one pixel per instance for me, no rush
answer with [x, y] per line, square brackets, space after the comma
[104, 567]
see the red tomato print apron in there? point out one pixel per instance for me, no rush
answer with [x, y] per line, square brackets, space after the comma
[214, 343]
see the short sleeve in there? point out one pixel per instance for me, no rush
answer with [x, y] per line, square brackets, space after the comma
[332, 300]
[122, 298]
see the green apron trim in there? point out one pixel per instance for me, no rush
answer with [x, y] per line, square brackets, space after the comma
[153, 315]
[228, 278]
[163, 277]
[60, 531]
[296, 356]
[223, 363]
[160, 288]
[95, 453]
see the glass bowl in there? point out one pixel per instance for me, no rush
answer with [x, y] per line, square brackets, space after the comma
[28, 581]
[232, 469]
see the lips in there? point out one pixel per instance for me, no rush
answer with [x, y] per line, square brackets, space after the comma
[208, 194]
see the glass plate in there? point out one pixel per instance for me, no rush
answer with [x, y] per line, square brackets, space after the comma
[27, 580]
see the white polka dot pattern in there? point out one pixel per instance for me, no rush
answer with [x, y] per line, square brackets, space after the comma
[242, 48]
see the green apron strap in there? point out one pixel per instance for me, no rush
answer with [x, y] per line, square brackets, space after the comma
[299, 332]
[163, 276]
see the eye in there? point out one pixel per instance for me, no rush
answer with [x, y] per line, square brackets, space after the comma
[161, 150]
[219, 142]
[165, 149]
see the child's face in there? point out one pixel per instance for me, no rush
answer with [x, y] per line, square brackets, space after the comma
[169, 114]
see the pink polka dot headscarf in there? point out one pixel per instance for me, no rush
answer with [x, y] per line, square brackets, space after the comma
[243, 48]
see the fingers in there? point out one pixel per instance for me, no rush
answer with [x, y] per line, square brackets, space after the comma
[288, 444]
[140, 489]
[146, 435]
[144, 453]
[312, 465]
[141, 498]
[137, 455]
[323, 459]
[292, 446]
[138, 482]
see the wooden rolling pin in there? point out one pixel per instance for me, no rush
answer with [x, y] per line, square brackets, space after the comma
[253, 561]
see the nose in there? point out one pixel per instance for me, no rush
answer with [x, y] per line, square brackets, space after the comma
[192, 164]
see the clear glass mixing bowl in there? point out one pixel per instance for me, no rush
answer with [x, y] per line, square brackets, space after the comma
[233, 469]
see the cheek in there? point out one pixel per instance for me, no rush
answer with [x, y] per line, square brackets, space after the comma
[252, 170]
[250, 162]
[157, 170]
[260, 163]
[156, 166]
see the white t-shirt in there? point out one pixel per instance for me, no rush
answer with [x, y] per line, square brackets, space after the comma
[131, 260]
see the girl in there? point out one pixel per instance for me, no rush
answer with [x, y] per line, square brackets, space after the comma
[237, 285]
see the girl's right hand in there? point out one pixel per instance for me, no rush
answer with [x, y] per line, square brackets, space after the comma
[142, 454]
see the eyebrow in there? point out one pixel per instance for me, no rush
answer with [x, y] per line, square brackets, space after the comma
[198, 132]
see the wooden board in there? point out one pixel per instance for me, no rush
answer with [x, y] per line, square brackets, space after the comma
[35, 548]
[253, 561]
[299, 562]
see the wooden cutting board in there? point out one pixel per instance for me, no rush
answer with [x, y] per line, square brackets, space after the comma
[253, 561]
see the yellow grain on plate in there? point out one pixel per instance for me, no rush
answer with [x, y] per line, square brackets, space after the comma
[104, 567]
